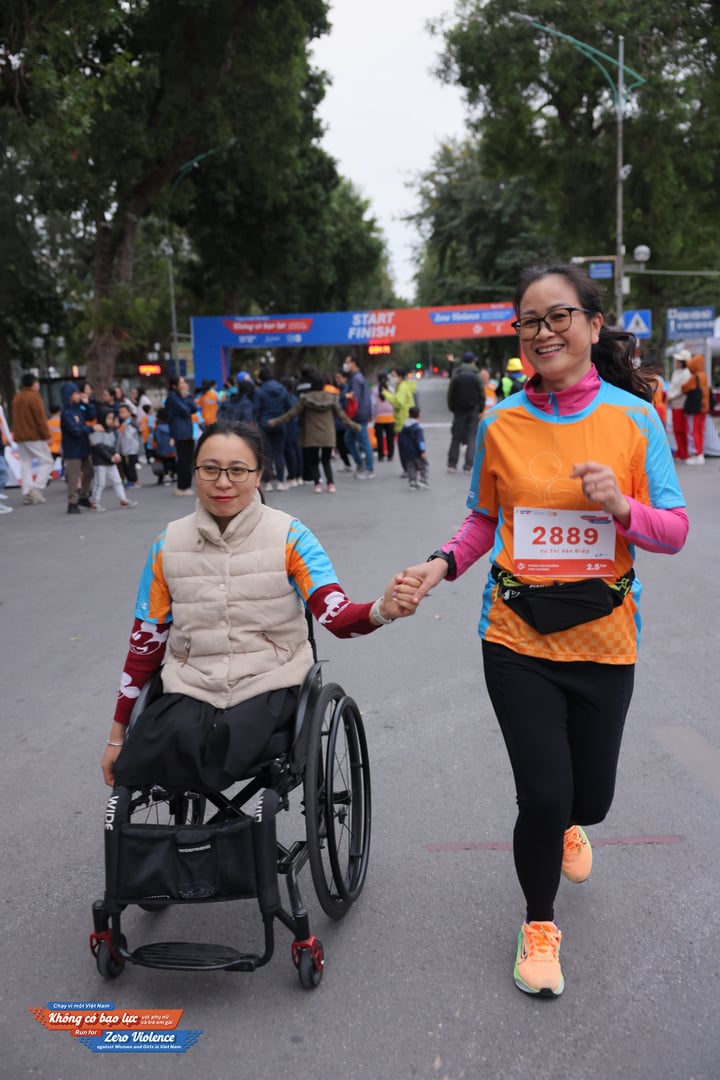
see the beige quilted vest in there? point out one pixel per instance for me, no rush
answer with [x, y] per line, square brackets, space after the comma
[238, 624]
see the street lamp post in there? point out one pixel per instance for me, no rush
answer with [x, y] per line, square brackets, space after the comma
[619, 91]
[167, 250]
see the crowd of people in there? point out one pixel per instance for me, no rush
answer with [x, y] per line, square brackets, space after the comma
[312, 425]
[309, 425]
[688, 396]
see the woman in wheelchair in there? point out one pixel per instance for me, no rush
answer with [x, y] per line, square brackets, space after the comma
[221, 608]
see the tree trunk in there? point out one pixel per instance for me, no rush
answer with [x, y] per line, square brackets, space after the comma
[101, 355]
[105, 346]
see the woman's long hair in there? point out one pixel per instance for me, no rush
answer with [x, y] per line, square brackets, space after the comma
[614, 353]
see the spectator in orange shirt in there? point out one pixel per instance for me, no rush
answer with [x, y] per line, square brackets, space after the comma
[55, 432]
[208, 401]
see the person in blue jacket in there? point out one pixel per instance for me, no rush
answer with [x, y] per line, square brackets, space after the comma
[411, 445]
[76, 447]
[180, 408]
[270, 401]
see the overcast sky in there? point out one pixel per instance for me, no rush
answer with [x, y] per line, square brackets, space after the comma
[385, 113]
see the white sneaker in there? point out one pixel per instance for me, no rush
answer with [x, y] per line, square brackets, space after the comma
[698, 459]
[280, 486]
[6, 509]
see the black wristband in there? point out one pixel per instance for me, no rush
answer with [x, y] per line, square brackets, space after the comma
[448, 557]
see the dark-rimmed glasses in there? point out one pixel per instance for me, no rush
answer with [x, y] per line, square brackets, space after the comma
[236, 474]
[557, 321]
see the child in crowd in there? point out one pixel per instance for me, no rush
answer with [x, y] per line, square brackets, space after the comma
[105, 457]
[411, 446]
[146, 423]
[164, 448]
[129, 444]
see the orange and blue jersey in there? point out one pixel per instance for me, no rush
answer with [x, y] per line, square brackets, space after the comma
[524, 459]
[308, 569]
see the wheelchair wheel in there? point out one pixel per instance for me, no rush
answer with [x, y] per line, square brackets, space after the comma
[337, 801]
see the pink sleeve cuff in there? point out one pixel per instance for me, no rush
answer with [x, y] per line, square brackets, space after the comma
[654, 529]
[473, 539]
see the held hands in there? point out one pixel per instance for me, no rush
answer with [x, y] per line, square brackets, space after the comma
[393, 607]
[600, 486]
[415, 582]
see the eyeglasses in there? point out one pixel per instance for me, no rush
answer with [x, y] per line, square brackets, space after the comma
[236, 474]
[556, 321]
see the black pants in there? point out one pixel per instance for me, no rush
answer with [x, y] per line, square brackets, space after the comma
[385, 437]
[315, 454]
[130, 468]
[562, 724]
[463, 433]
[274, 448]
[179, 742]
[341, 447]
[185, 449]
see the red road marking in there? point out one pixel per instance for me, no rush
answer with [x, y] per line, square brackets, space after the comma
[506, 845]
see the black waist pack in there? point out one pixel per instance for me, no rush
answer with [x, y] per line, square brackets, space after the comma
[551, 608]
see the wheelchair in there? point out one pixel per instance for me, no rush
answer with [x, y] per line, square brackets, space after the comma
[166, 847]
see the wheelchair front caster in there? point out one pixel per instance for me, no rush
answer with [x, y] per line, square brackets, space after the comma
[107, 965]
[309, 960]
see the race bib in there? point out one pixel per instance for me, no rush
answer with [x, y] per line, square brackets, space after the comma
[563, 543]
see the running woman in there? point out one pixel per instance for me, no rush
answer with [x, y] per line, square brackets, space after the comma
[570, 476]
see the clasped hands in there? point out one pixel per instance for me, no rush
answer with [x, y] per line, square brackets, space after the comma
[404, 591]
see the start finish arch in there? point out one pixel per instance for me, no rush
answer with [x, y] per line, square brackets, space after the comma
[213, 337]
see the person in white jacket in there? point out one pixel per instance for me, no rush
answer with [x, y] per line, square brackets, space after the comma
[676, 403]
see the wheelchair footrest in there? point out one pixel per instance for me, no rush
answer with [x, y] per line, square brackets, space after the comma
[192, 956]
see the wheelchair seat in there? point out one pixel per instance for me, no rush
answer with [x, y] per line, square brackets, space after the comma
[173, 846]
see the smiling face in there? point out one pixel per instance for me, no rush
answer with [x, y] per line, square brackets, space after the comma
[560, 358]
[222, 497]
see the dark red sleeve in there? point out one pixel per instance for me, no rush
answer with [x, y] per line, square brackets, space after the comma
[144, 659]
[333, 610]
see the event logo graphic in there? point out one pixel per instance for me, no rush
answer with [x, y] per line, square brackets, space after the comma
[102, 1028]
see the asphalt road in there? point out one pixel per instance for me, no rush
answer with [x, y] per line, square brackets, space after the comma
[418, 982]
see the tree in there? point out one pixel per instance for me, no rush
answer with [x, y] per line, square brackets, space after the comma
[544, 129]
[107, 105]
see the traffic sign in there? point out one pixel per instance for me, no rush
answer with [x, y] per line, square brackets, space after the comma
[690, 322]
[638, 323]
[601, 270]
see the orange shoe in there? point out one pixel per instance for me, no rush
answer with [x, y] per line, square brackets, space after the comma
[577, 855]
[537, 964]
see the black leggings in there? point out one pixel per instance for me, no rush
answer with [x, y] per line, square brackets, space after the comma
[562, 724]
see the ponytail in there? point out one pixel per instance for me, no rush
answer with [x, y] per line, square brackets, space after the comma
[614, 358]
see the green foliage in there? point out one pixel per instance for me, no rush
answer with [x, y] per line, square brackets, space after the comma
[127, 120]
[542, 157]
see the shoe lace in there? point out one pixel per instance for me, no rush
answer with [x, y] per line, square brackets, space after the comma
[572, 844]
[542, 940]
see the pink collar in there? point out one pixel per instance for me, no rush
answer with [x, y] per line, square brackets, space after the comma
[565, 402]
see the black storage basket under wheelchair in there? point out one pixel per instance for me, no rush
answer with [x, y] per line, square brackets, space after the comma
[182, 863]
[202, 848]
